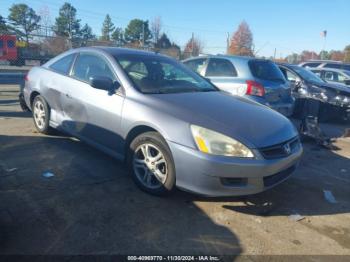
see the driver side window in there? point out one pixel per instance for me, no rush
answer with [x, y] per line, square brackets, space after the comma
[88, 65]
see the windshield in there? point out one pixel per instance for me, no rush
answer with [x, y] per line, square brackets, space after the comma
[266, 70]
[153, 74]
[347, 73]
[307, 75]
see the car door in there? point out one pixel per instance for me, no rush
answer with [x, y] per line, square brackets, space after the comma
[223, 74]
[54, 85]
[95, 113]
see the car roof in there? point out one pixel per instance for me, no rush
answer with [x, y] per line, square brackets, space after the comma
[286, 64]
[330, 69]
[115, 51]
[231, 57]
[324, 62]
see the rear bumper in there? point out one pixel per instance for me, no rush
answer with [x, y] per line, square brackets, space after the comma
[226, 176]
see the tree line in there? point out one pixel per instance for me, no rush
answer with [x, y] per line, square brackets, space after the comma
[337, 55]
[26, 23]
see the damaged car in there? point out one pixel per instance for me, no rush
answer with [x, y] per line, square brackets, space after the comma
[334, 98]
[172, 127]
[259, 80]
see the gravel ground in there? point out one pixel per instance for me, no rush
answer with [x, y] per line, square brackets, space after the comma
[91, 206]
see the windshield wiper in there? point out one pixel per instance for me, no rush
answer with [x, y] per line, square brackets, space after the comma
[276, 79]
[177, 90]
[207, 90]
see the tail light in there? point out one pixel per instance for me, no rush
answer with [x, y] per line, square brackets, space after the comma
[26, 78]
[254, 88]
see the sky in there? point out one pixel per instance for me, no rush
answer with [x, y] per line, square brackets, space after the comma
[285, 25]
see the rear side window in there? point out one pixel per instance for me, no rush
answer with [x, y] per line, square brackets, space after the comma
[88, 65]
[220, 68]
[337, 66]
[10, 43]
[63, 65]
[196, 64]
[266, 70]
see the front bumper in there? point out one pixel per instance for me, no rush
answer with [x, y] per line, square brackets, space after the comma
[226, 176]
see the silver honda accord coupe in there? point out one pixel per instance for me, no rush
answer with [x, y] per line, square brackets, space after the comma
[172, 127]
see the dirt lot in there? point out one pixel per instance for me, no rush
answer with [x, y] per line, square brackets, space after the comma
[91, 206]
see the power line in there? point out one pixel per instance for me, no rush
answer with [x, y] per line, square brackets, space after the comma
[99, 15]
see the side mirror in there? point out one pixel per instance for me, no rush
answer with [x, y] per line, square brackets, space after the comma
[347, 82]
[103, 83]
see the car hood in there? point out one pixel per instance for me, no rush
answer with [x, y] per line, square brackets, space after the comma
[338, 88]
[249, 122]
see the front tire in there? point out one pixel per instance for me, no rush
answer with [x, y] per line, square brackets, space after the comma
[151, 165]
[41, 115]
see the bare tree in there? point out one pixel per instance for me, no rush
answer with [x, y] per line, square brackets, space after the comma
[242, 41]
[156, 28]
[193, 47]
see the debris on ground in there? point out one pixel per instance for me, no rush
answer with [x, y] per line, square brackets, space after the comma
[6, 171]
[296, 217]
[258, 220]
[48, 174]
[10, 170]
[328, 195]
[347, 132]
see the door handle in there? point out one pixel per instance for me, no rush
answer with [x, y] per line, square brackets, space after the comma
[68, 96]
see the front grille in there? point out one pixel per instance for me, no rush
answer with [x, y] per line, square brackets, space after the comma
[279, 151]
[280, 176]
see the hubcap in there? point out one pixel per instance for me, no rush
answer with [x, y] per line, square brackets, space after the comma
[39, 114]
[150, 166]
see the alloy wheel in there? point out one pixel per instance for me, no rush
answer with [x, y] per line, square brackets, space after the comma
[39, 114]
[150, 166]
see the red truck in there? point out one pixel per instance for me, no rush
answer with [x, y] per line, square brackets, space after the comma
[11, 52]
[8, 49]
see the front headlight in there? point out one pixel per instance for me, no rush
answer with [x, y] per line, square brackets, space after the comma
[214, 143]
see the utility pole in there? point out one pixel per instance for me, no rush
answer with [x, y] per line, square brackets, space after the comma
[274, 55]
[143, 35]
[70, 27]
[324, 41]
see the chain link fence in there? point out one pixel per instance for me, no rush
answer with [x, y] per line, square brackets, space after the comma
[39, 49]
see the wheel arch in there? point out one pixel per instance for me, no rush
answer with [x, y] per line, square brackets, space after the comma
[138, 130]
[32, 97]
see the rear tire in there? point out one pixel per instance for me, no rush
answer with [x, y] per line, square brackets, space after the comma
[41, 115]
[151, 164]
